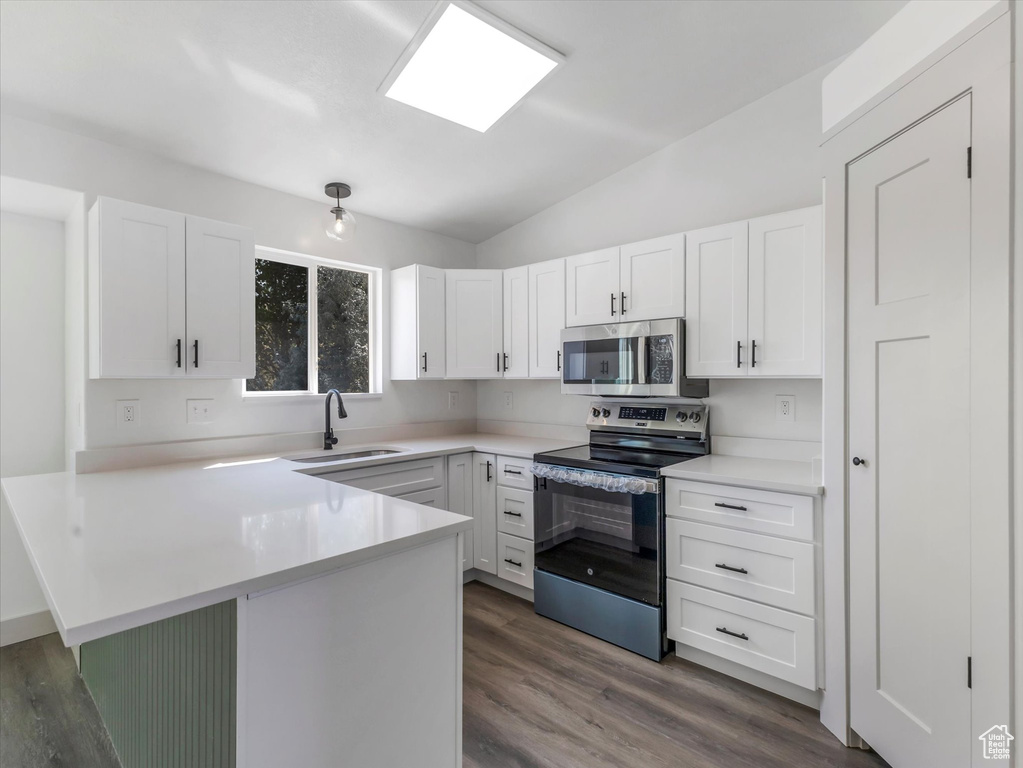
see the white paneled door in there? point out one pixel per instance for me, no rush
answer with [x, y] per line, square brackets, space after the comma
[785, 291]
[484, 511]
[474, 320]
[591, 288]
[546, 318]
[515, 357]
[431, 338]
[909, 384]
[716, 286]
[220, 299]
[653, 279]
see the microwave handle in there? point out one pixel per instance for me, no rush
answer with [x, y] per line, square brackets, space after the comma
[643, 341]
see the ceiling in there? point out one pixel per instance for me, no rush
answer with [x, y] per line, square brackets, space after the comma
[283, 93]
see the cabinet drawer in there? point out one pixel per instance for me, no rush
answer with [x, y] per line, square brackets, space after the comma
[515, 559]
[398, 479]
[778, 514]
[778, 572]
[515, 512]
[770, 640]
[514, 473]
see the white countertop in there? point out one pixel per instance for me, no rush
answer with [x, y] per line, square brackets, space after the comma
[766, 474]
[116, 550]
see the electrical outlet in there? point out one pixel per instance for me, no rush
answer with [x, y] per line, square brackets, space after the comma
[452, 400]
[129, 413]
[785, 407]
[199, 411]
[508, 400]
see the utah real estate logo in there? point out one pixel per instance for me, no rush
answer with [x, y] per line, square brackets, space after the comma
[997, 742]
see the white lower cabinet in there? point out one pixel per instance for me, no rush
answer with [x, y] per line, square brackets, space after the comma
[742, 569]
[484, 507]
[460, 499]
[515, 559]
[515, 512]
[397, 479]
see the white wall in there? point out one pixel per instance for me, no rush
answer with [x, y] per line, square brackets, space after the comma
[48, 155]
[761, 159]
[31, 382]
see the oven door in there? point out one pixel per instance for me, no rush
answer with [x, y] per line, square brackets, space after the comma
[609, 539]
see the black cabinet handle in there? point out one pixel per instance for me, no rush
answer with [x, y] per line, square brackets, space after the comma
[179, 353]
[622, 304]
[612, 305]
[513, 514]
[753, 354]
[739, 635]
[857, 461]
[738, 354]
[488, 471]
[512, 472]
[729, 506]
[559, 359]
[730, 568]
[506, 361]
[424, 362]
[513, 562]
[195, 361]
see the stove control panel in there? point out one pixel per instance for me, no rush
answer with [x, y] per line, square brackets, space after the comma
[676, 418]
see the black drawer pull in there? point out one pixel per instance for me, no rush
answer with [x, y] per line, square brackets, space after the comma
[729, 506]
[513, 514]
[512, 472]
[513, 562]
[730, 568]
[739, 635]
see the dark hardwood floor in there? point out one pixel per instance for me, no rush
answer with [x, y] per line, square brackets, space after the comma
[536, 693]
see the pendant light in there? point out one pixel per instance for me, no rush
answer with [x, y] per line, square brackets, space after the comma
[343, 226]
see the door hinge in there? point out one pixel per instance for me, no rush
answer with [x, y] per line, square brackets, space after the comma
[969, 672]
[969, 162]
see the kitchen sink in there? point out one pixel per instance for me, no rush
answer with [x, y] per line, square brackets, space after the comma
[345, 455]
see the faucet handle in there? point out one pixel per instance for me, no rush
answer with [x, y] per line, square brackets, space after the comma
[332, 440]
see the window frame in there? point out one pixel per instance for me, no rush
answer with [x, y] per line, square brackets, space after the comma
[374, 275]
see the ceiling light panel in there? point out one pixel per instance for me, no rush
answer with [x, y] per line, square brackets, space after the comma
[469, 67]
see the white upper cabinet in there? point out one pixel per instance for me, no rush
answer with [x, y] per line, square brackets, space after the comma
[474, 323]
[161, 281]
[418, 336]
[591, 282]
[716, 286]
[785, 294]
[546, 318]
[515, 357]
[220, 298]
[753, 295]
[653, 279]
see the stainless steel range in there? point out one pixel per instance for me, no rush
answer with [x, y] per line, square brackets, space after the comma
[599, 521]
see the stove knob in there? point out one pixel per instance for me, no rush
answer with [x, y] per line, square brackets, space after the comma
[681, 417]
[605, 412]
[595, 413]
[695, 418]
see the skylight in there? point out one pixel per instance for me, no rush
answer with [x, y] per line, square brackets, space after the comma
[469, 67]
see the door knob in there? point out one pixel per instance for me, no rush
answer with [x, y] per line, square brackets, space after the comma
[857, 461]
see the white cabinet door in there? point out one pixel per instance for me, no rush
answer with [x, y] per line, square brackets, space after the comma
[716, 301]
[484, 504]
[546, 318]
[653, 279]
[785, 294]
[136, 291]
[460, 499]
[418, 338]
[591, 288]
[474, 334]
[515, 356]
[220, 299]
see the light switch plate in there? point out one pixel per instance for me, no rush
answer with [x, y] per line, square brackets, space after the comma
[508, 402]
[128, 413]
[785, 407]
[199, 411]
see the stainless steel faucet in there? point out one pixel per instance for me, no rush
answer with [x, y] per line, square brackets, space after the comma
[329, 441]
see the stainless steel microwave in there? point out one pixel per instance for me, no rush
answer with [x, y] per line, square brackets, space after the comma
[638, 359]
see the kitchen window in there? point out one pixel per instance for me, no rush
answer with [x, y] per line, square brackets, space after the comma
[315, 326]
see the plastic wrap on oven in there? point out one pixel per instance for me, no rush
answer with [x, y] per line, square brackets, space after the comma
[586, 479]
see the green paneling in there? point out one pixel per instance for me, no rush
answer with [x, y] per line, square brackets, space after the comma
[166, 691]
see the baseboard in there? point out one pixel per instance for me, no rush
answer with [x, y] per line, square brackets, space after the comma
[783, 688]
[20, 628]
[497, 583]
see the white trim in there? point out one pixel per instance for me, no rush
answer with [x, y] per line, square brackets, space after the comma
[374, 277]
[17, 629]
